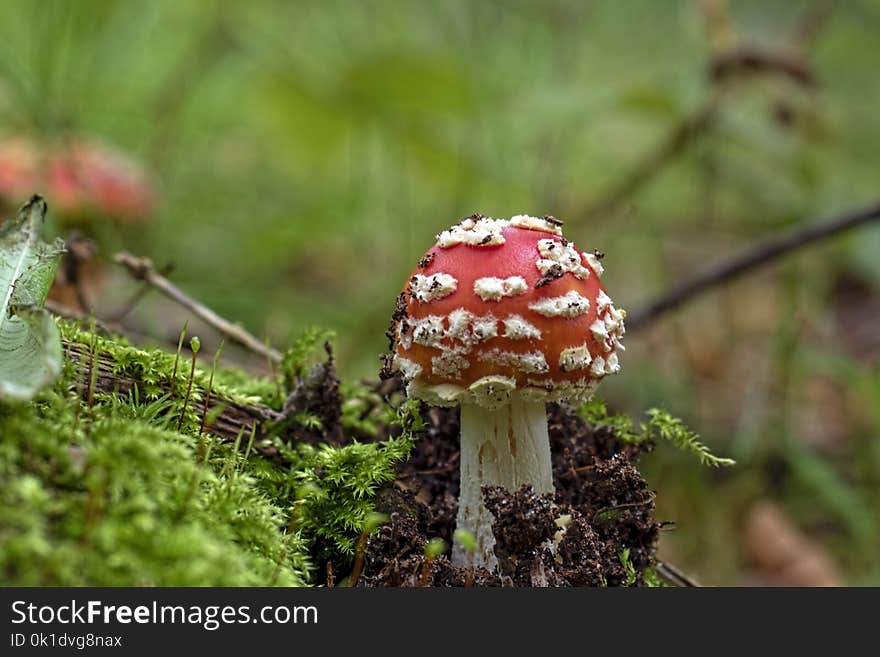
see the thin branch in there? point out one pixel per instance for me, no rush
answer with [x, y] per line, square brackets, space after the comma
[751, 259]
[746, 60]
[673, 575]
[574, 473]
[142, 269]
[676, 142]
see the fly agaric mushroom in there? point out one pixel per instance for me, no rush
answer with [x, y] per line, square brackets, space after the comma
[502, 316]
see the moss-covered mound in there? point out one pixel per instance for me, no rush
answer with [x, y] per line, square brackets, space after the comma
[142, 467]
[107, 485]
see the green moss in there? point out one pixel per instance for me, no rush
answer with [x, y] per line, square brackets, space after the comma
[156, 368]
[106, 503]
[114, 494]
[660, 425]
[296, 358]
[338, 485]
[121, 492]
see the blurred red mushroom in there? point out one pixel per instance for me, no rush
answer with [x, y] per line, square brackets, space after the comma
[86, 184]
[82, 179]
[87, 177]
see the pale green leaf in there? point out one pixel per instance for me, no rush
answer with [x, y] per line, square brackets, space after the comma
[30, 346]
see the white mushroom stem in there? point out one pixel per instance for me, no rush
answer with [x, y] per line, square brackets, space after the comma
[508, 446]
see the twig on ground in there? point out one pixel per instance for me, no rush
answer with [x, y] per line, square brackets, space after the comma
[754, 60]
[574, 473]
[143, 269]
[754, 257]
[673, 575]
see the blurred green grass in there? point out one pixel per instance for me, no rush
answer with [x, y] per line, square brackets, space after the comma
[307, 152]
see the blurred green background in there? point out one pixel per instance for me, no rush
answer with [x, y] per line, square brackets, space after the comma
[305, 153]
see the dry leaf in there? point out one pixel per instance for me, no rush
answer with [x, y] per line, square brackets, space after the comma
[782, 554]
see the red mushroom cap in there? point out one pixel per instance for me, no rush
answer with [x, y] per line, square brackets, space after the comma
[501, 307]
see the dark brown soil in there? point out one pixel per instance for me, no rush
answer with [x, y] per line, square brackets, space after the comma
[599, 493]
[601, 501]
[316, 394]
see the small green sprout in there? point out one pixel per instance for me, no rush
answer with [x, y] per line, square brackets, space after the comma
[208, 389]
[177, 358]
[194, 344]
[373, 521]
[434, 548]
[465, 539]
[631, 574]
